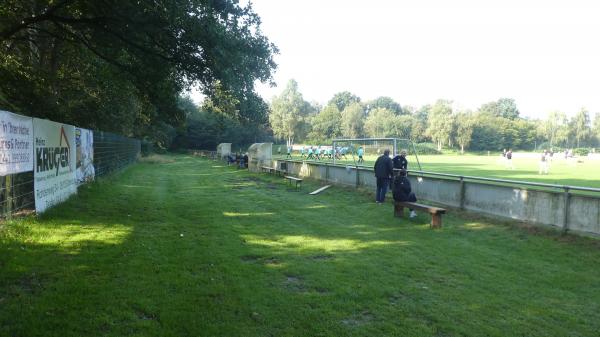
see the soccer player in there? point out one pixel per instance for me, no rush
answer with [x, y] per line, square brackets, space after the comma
[360, 154]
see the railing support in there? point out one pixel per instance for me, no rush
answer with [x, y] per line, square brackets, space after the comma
[567, 197]
[462, 193]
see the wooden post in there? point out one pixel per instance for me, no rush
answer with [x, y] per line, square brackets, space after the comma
[436, 220]
[8, 200]
[398, 210]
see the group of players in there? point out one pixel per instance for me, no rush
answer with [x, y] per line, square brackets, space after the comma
[322, 152]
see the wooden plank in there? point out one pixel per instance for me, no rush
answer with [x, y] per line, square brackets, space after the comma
[320, 190]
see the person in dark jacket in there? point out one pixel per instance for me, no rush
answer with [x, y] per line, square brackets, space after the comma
[403, 192]
[400, 161]
[384, 170]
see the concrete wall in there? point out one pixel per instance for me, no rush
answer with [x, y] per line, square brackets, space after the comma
[534, 206]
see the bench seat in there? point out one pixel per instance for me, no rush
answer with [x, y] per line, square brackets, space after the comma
[436, 212]
[294, 179]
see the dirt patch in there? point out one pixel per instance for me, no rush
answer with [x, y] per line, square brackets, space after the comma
[31, 284]
[260, 259]
[322, 290]
[359, 319]
[294, 283]
[145, 316]
[250, 258]
[271, 260]
[323, 257]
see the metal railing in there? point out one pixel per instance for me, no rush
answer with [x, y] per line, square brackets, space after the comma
[457, 177]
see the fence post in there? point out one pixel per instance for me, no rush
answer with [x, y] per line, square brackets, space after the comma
[8, 200]
[567, 202]
[462, 192]
[326, 172]
[357, 177]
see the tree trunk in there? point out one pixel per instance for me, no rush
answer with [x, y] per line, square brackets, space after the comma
[462, 149]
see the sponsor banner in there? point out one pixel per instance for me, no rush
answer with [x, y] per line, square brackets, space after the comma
[16, 143]
[84, 140]
[54, 163]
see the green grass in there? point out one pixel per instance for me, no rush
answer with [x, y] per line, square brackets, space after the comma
[562, 172]
[257, 259]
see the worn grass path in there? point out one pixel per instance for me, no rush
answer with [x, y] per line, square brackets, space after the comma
[258, 260]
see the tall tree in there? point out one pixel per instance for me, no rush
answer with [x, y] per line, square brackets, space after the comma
[464, 129]
[420, 120]
[353, 120]
[385, 102]
[288, 110]
[555, 128]
[326, 125]
[507, 108]
[580, 125]
[343, 99]
[381, 123]
[596, 128]
[441, 123]
[503, 107]
[76, 61]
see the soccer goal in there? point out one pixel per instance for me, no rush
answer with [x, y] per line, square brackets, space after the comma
[364, 151]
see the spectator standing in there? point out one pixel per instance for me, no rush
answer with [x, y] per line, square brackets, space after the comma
[400, 161]
[384, 170]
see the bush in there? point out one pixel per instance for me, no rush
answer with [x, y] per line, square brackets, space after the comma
[425, 149]
[581, 151]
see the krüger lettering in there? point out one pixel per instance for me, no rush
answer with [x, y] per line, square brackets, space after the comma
[51, 158]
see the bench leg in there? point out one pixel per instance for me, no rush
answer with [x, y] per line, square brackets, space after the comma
[436, 221]
[398, 211]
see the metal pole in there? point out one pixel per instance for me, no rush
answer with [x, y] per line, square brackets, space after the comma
[333, 151]
[357, 177]
[416, 156]
[395, 148]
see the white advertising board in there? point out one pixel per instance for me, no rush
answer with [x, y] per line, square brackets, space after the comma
[16, 143]
[84, 140]
[54, 163]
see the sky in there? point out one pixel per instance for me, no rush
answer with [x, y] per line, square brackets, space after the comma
[543, 54]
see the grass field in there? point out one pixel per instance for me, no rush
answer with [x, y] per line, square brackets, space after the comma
[187, 247]
[562, 172]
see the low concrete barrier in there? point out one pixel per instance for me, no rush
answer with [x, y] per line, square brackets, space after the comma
[560, 209]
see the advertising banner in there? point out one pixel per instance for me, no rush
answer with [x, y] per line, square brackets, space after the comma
[16, 143]
[54, 163]
[84, 140]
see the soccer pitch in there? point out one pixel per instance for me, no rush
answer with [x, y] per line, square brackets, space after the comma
[580, 171]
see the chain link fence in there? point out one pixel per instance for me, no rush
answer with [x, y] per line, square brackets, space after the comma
[111, 152]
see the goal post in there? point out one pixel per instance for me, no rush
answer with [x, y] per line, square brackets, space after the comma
[365, 150]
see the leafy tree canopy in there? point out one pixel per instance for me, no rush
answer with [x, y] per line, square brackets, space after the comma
[343, 99]
[93, 62]
[385, 102]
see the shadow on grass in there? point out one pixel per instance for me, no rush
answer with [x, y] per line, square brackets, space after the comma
[234, 253]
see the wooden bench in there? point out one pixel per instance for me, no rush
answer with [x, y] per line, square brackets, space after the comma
[436, 212]
[267, 169]
[296, 180]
